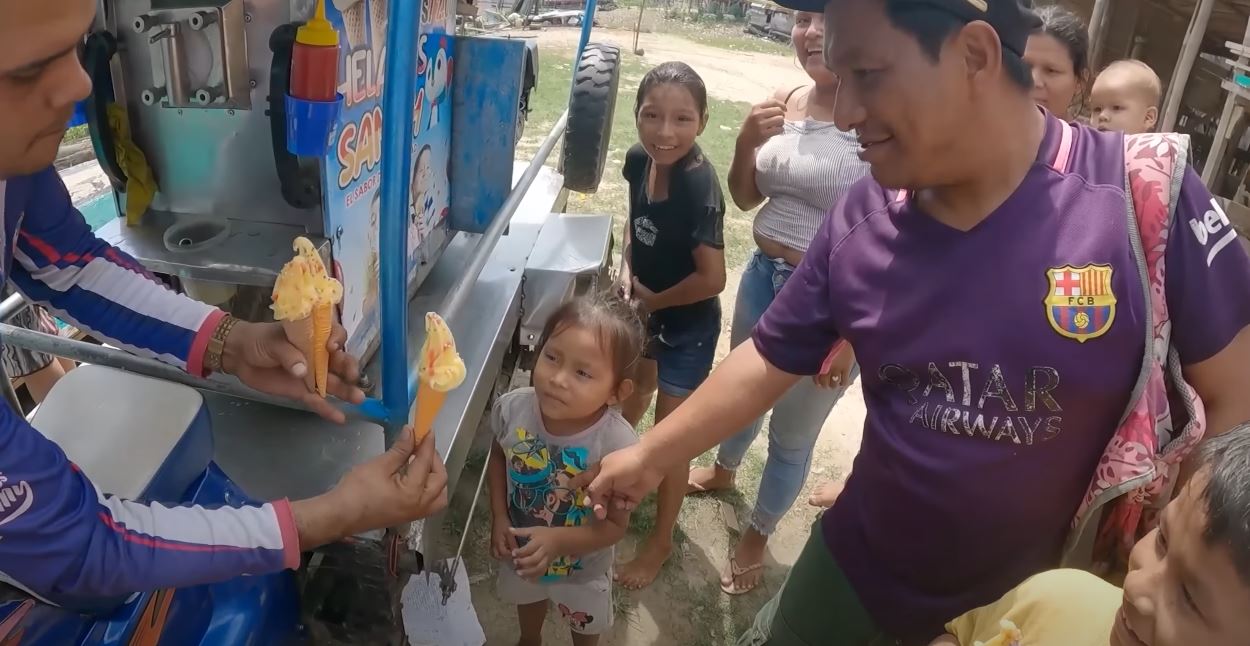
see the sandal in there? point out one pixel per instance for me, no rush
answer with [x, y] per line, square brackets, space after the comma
[736, 572]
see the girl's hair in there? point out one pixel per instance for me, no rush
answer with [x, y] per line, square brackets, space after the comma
[1067, 28]
[612, 319]
[677, 73]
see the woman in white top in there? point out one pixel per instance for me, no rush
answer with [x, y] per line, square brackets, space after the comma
[791, 158]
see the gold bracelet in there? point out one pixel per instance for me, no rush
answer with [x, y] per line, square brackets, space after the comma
[217, 344]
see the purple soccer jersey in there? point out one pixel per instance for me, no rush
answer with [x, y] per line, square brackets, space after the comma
[996, 365]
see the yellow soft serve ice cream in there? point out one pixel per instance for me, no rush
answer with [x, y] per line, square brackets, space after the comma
[304, 296]
[440, 371]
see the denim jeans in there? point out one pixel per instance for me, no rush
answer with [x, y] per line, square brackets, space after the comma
[798, 416]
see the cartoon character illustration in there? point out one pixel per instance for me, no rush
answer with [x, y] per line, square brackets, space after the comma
[421, 201]
[541, 495]
[578, 620]
[437, 71]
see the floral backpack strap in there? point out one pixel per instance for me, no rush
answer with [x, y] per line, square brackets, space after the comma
[1136, 472]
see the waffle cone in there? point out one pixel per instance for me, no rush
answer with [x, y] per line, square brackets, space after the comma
[378, 12]
[429, 402]
[311, 335]
[354, 24]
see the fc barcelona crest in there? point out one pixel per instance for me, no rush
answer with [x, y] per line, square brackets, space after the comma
[1080, 304]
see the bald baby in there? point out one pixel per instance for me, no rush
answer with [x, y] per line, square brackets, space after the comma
[1126, 97]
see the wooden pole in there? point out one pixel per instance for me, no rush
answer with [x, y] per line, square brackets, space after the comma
[1185, 64]
[638, 27]
[1224, 131]
[1098, 22]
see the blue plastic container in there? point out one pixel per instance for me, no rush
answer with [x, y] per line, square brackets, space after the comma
[309, 125]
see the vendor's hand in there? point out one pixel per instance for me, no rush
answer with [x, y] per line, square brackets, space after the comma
[836, 373]
[646, 299]
[765, 121]
[260, 355]
[620, 480]
[543, 547]
[502, 542]
[397, 487]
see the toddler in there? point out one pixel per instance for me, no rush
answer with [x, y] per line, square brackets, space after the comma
[1125, 97]
[553, 551]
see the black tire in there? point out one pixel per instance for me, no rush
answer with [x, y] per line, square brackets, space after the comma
[591, 109]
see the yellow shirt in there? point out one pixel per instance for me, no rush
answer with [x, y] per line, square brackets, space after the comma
[1055, 608]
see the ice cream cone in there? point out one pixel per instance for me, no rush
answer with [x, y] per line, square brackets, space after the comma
[379, 10]
[311, 335]
[301, 334]
[304, 296]
[441, 371]
[425, 410]
[353, 22]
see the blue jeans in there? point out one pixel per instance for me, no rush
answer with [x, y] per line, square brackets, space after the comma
[797, 417]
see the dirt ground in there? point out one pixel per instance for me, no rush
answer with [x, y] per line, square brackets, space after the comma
[685, 605]
[730, 75]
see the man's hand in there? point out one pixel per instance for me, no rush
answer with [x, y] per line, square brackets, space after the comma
[376, 494]
[836, 372]
[542, 548]
[622, 479]
[502, 543]
[260, 355]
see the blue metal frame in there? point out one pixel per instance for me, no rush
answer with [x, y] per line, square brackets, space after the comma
[398, 97]
[399, 382]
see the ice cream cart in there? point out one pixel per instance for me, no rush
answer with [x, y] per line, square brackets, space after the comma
[407, 184]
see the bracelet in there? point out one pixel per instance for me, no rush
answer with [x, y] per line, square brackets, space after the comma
[217, 344]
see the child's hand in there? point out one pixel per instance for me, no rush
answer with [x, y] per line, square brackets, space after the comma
[543, 547]
[644, 297]
[836, 372]
[502, 542]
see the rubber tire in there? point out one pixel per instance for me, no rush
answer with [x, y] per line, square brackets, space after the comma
[591, 108]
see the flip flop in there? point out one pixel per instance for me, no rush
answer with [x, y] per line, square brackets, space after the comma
[735, 571]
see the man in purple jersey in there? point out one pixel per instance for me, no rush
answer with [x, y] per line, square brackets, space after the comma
[69, 543]
[987, 413]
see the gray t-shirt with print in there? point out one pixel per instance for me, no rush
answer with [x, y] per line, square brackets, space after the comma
[539, 466]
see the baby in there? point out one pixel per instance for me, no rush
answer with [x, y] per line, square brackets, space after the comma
[1125, 97]
[1188, 581]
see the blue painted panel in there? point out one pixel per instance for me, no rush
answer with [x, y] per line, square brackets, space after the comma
[486, 93]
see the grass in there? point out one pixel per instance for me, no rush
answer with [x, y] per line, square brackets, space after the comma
[724, 32]
[717, 142]
[77, 133]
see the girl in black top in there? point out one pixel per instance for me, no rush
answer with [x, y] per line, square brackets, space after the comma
[674, 270]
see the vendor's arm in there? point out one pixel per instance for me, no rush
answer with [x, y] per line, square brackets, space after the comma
[67, 543]
[1208, 295]
[61, 264]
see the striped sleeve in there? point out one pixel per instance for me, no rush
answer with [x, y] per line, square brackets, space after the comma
[62, 265]
[66, 543]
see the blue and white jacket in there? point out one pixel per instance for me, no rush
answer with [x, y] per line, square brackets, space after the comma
[61, 539]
